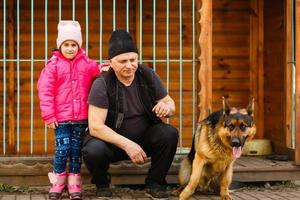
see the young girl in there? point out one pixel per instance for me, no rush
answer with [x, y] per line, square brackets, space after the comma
[63, 89]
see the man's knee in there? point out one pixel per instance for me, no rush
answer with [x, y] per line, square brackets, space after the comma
[172, 133]
[169, 134]
[94, 149]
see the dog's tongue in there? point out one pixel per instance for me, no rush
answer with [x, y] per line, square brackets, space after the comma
[237, 152]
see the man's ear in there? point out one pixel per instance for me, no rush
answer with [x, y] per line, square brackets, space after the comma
[226, 107]
[250, 107]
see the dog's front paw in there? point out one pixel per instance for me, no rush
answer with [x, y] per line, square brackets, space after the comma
[226, 197]
[185, 194]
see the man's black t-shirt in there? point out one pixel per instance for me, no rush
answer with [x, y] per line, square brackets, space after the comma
[136, 120]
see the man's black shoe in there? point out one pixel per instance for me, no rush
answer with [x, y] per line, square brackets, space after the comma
[157, 193]
[103, 193]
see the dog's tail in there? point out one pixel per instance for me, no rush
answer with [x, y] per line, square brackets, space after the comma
[185, 171]
[184, 174]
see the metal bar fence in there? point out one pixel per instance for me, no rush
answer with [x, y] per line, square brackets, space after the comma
[46, 59]
[4, 77]
[87, 26]
[168, 49]
[18, 76]
[154, 61]
[100, 31]
[31, 75]
[180, 74]
[141, 32]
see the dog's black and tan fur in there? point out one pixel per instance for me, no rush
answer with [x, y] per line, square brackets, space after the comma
[216, 145]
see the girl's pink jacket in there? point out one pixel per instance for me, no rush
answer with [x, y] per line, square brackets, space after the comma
[64, 85]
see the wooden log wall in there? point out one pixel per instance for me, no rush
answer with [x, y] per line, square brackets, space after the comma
[249, 61]
[237, 44]
[93, 52]
[297, 99]
[238, 55]
[232, 48]
[230, 51]
[274, 65]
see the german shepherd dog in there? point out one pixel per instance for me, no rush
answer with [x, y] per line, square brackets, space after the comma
[217, 143]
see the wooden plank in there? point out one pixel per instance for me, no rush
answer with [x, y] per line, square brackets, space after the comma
[33, 170]
[231, 51]
[205, 68]
[11, 78]
[240, 16]
[265, 176]
[229, 74]
[257, 63]
[230, 84]
[233, 40]
[297, 85]
[230, 5]
[233, 96]
[254, 162]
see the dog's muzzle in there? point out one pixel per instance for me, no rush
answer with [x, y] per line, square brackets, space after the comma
[236, 145]
[235, 142]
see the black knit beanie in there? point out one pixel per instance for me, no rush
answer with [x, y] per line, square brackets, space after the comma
[120, 42]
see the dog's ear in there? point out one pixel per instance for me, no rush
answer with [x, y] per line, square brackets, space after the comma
[250, 107]
[226, 107]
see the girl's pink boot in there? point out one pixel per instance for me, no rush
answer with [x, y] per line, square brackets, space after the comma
[74, 186]
[58, 185]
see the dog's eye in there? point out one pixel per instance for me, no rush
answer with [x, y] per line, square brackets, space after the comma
[243, 127]
[231, 127]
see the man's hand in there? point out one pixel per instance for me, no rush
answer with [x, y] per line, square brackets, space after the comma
[135, 152]
[161, 109]
[52, 125]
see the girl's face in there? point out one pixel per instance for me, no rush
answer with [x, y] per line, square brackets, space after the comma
[69, 49]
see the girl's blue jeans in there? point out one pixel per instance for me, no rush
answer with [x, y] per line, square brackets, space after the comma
[68, 141]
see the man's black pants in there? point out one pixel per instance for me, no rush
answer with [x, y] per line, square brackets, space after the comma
[159, 142]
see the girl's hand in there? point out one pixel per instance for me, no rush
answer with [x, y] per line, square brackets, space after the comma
[104, 67]
[52, 125]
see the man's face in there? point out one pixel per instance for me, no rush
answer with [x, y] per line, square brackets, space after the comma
[69, 49]
[125, 64]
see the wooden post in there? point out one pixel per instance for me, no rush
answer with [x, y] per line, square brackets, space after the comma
[205, 68]
[297, 99]
[288, 73]
[257, 63]
[11, 78]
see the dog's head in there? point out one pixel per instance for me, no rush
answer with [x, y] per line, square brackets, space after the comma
[238, 126]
